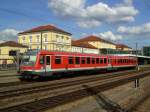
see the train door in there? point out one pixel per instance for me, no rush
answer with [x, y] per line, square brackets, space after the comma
[47, 64]
[45, 61]
[109, 64]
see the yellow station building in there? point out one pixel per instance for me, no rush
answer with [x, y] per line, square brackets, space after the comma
[123, 47]
[51, 37]
[98, 42]
[83, 47]
[5, 47]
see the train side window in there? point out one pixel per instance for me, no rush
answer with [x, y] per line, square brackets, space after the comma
[115, 61]
[105, 60]
[42, 59]
[47, 60]
[93, 60]
[83, 60]
[70, 60]
[97, 60]
[88, 60]
[77, 60]
[101, 60]
[109, 60]
[58, 60]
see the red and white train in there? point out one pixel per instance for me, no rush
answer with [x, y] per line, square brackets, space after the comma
[42, 63]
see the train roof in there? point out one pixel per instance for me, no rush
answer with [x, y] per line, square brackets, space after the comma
[78, 54]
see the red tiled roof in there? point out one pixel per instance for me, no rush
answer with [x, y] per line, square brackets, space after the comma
[12, 44]
[94, 38]
[45, 28]
[122, 46]
[82, 44]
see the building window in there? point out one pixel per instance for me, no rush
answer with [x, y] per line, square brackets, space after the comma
[67, 38]
[45, 38]
[45, 47]
[38, 38]
[30, 39]
[38, 47]
[29, 47]
[58, 60]
[62, 37]
[23, 39]
[57, 38]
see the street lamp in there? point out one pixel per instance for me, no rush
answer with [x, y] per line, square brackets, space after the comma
[41, 40]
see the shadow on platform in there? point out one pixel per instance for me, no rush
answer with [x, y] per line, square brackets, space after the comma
[103, 101]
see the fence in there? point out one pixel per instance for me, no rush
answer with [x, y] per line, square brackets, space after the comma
[7, 64]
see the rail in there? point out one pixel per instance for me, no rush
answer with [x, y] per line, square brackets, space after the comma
[48, 97]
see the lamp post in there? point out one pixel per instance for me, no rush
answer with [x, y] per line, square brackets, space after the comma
[137, 79]
[41, 40]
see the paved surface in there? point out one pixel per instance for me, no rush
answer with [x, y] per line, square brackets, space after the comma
[144, 107]
[119, 95]
[8, 76]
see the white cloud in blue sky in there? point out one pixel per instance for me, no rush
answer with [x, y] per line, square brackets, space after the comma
[110, 36]
[96, 13]
[124, 21]
[143, 29]
[8, 34]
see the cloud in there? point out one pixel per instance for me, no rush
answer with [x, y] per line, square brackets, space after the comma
[109, 36]
[97, 13]
[89, 24]
[8, 34]
[143, 29]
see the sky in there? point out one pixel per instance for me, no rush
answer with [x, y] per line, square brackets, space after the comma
[120, 21]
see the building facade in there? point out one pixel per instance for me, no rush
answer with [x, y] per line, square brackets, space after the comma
[51, 37]
[84, 47]
[123, 47]
[8, 46]
[146, 51]
[98, 42]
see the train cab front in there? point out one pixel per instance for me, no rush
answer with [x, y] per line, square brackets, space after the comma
[35, 65]
[27, 68]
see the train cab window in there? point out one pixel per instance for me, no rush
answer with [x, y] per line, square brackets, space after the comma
[77, 60]
[58, 60]
[47, 60]
[101, 60]
[70, 60]
[42, 59]
[93, 60]
[83, 60]
[88, 60]
[105, 60]
[97, 60]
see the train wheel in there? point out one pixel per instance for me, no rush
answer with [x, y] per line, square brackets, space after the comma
[22, 79]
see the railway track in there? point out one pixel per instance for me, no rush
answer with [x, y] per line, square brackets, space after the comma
[54, 94]
[25, 87]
